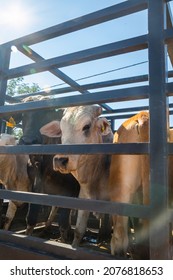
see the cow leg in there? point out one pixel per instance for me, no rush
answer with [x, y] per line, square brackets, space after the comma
[119, 240]
[63, 221]
[105, 227]
[51, 217]
[11, 211]
[32, 217]
[80, 229]
[64, 224]
[122, 189]
[37, 187]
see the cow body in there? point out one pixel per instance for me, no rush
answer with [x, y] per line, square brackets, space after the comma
[13, 175]
[91, 171]
[116, 178]
[127, 174]
[44, 179]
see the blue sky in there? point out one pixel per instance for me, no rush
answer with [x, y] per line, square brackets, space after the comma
[40, 14]
[22, 17]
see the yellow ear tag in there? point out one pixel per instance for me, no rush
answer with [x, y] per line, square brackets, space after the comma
[102, 128]
[11, 122]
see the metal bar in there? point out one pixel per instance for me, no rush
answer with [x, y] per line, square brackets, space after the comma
[100, 206]
[169, 89]
[158, 103]
[119, 148]
[44, 250]
[56, 72]
[97, 85]
[36, 57]
[4, 65]
[125, 46]
[169, 25]
[170, 148]
[125, 110]
[110, 83]
[112, 12]
[125, 94]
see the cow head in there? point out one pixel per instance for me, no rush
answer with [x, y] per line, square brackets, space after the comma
[79, 125]
[32, 121]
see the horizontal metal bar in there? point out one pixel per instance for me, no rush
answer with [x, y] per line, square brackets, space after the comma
[112, 12]
[125, 46]
[46, 250]
[36, 57]
[99, 206]
[170, 89]
[120, 148]
[125, 110]
[109, 83]
[168, 35]
[170, 148]
[97, 85]
[132, 93]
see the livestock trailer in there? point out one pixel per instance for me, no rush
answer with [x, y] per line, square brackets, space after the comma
[155, 87]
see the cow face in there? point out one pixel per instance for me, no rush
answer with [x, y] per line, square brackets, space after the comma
[79, 125]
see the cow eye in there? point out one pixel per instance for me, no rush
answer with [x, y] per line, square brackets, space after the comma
[86, 127]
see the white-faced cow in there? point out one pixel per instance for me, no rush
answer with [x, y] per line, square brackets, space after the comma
[82, 125]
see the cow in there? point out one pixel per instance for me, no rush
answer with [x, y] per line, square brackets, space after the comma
[13, 175]
[40, 167]
[54, 131]
[105, 177]
[32, 121]
[82, 125]
[45, 180]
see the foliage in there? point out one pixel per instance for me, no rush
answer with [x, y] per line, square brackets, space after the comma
[18, 86]
[17, 133]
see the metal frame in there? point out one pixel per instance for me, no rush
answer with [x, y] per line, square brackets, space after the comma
[157, 90]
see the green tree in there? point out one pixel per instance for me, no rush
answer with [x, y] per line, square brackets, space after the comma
[18, 86]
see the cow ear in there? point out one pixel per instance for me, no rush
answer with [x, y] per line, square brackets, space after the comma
[104, 126]
[51, 129]
[96, 110]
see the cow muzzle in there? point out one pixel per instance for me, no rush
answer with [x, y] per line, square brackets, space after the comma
[60, 164]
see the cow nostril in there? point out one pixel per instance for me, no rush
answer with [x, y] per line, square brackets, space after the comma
[63, 160]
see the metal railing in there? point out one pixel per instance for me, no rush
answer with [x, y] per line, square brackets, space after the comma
[157, 90]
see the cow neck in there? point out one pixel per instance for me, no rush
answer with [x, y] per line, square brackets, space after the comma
[93, 174]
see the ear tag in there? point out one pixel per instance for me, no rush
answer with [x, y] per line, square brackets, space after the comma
[102, 128]
[11, 122]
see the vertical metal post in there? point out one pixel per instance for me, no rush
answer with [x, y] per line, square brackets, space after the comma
[158, 105]
[4, 65]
